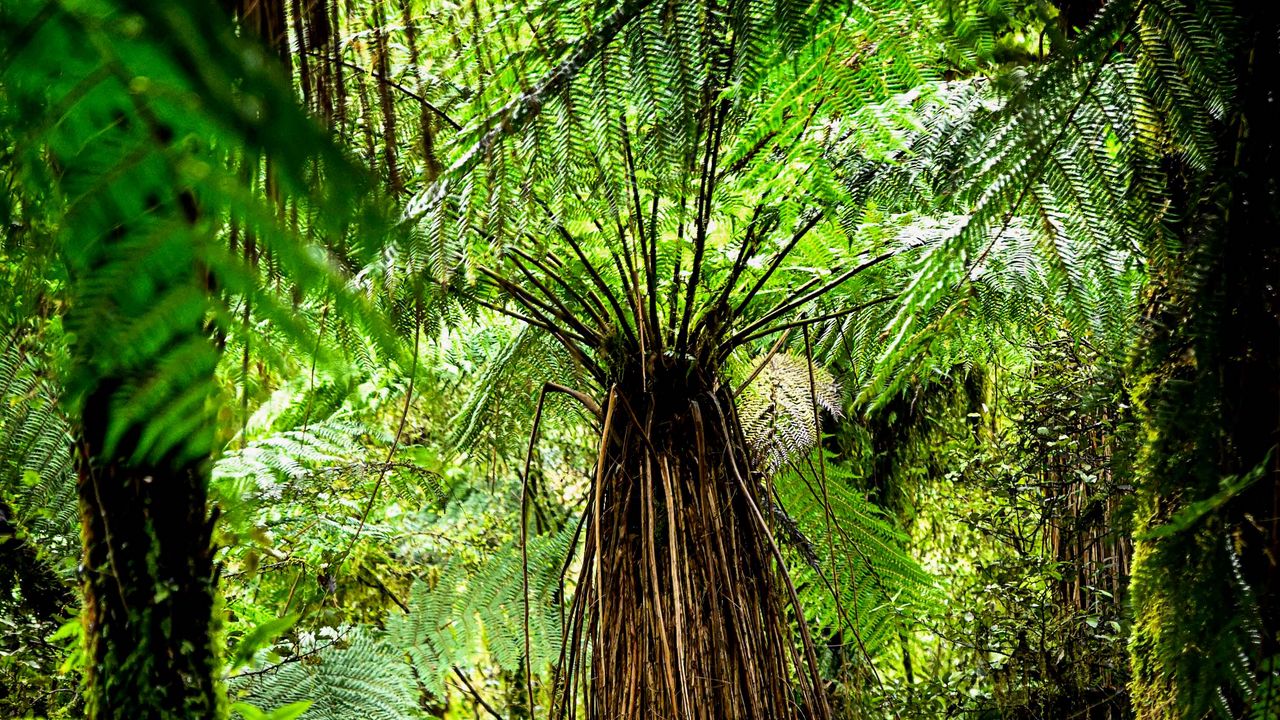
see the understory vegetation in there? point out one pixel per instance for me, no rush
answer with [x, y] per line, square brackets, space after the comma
[623, 359]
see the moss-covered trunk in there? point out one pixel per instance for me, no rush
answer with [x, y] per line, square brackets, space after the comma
[683, 605]
[1206, 592]
[148, 583]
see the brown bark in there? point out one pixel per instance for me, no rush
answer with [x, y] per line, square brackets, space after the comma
[683, 603]
[148, 582]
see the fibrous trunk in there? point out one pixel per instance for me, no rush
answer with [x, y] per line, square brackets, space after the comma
[683, 608]
[148, 584]
[1206, 592]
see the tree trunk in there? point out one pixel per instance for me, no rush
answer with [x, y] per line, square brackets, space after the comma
[1206, 595]
[148, 583]
[683, 602]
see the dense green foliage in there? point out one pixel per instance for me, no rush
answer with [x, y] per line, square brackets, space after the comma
[696, 358]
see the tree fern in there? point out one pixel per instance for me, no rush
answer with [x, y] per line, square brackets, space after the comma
[659, 243]
[120, 115]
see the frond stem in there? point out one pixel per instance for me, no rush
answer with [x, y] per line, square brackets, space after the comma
[806, 322]
[778, 257]
[793, 304]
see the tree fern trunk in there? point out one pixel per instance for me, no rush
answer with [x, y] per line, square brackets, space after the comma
[1207, 594]
[683, 606]
[147, 568]
[148, 584]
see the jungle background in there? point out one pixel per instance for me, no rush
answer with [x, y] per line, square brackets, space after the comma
[379, 358]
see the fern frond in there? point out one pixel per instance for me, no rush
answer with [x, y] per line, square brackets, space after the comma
[36, 463]
[474, 606]
[777, 408]
[136, 110]
[855, 573]
[346, 673]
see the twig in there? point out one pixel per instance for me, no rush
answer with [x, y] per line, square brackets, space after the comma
[476, 693]
[760, 367]
[524, 541]
[296, 658]
[374, 74]
[790, 305]
[806, 322]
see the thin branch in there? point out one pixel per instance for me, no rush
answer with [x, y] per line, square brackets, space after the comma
[524, 541]
[392, 83]
[750, 243]
[315, 356]
[476, 693]
[629, 288]
[646, 239]
[781, 255]
[761, 365]
[706, 192]
[532, 303]
[587, 401]
[546, 270]
[395, 443]
[296, 658]
[591, 269]
[826, 499]
[515, 315]
[565, 337]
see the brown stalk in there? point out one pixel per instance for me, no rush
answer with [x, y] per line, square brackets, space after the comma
[577, 297]
[524, 542]
[385, 103]
[805, 322]
[596, 278]
[789, 305]
[551, 305]
[781, 255]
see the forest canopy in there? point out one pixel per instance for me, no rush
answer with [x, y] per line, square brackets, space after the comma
[622, 359]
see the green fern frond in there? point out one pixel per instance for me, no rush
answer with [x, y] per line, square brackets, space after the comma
[474, 605]
[347, 673]
[135, 109]
[854, 573]
[502, 404]
[37, 470]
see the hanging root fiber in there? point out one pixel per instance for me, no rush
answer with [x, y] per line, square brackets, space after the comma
[683, 608]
